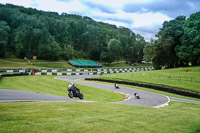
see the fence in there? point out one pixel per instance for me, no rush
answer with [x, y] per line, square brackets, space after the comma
[74, 71]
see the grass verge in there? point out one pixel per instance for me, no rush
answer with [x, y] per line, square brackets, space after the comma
[146, 89]
[78, 117]
[49, 85]
[170, 77]
[20, 63]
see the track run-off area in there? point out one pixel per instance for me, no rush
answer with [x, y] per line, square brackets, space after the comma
[147, 99]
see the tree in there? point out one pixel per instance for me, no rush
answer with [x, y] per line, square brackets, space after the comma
[190, 48]
[114, 49]
[39, 33]
[4, 33]
[30, 35]
[149, 51]
[50, 50]
[105, 56]
[95, 53]
[68, 52]
[140, 44]
[168, 39]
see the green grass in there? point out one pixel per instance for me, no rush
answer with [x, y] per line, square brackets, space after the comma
[147, 89]
[123, 64]
[49, 85]
[52, 65]
[99, 116]
[117, 65]
[177, 77]
[76, 117]
[15, 62]
[8, 64]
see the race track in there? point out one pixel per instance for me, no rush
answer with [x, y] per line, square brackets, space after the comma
[7, 95]
[148, 99]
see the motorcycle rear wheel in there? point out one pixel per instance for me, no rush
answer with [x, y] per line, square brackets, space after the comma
[70, 94]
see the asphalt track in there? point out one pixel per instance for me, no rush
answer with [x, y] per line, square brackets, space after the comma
[148, 99]
[7, 95]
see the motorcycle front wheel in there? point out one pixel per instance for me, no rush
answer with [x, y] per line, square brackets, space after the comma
[81, 96]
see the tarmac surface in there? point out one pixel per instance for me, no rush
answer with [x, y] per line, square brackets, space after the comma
[7, 95]
[147, 99]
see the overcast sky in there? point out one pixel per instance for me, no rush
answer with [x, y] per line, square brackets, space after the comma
[143, 17]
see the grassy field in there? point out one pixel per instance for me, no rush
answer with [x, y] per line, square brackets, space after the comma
[49, 85]
[147, 89]
[177, 77]
[13, 63]
[123, 64]
[81, 117]
[75, 117]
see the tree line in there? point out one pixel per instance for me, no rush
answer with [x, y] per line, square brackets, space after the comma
[178, 43]
[27, 32]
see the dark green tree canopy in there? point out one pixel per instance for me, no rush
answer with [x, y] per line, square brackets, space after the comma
[178, 43]
[48, 35]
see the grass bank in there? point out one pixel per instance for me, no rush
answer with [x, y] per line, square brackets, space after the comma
[13, 63]
[78, 117]
[49, 85]
[16, 62]
[147, 89]
[177, 77]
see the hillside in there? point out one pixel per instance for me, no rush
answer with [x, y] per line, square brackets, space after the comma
[27, 32]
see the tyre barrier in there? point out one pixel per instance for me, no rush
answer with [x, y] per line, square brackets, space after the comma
[76, 71]
[61, 70]
[49, 73]
[109, 70]
[15, 74]
[175, 90]
[127, 69]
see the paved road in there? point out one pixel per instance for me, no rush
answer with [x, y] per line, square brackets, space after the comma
[148, 99]
[184, 100]
[7, 95]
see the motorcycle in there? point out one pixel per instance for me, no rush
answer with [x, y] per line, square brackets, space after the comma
[74, 91]
[116, 86]
[137, 96]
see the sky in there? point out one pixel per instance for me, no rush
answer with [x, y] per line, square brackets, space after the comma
[143, 17]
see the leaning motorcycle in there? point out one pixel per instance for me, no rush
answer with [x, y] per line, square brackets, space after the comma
[74, 91]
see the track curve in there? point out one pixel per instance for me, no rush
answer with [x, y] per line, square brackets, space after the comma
[148, 99]
[7, 95]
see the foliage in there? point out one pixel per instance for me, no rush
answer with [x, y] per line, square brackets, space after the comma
[169, 38]
[149, 51]
[114, 49]
[4, 32]
[68, 52]
[48, 35]
[190, 48]
[178, 43]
